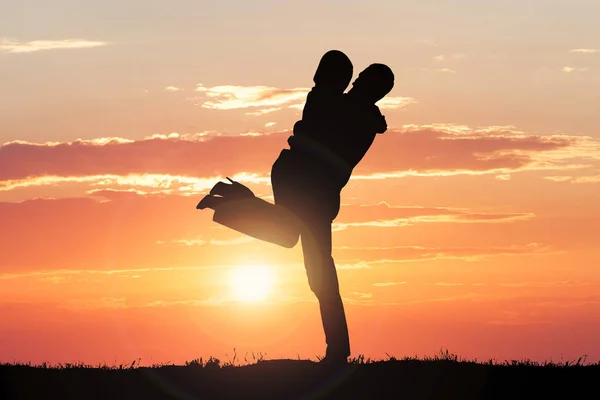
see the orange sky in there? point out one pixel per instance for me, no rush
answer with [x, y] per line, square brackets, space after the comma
[471, 225]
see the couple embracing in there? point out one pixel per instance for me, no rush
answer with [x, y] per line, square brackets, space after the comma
[334, 134]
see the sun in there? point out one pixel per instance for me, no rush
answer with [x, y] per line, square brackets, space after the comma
[252, 283]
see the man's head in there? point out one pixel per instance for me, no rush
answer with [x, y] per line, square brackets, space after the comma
[373, 83]
[334, 71]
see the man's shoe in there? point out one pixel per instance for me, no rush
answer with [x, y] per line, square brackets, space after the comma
[334, 361]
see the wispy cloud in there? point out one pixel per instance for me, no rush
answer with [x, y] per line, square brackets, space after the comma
[173, 89]
[401, 254]
[448, 284]
[390, 103]
[212, 242]
[230, 97]
[585, 51]
[387, 284]
[573, 179]
[429, 42]
[587, 179]
[263, 111]
[357, 265]
[545, 284]
[65, 273]
[267, 99]
[15, 46]
[563, 178]
[384, 215]
[568, 69]
[442, 70]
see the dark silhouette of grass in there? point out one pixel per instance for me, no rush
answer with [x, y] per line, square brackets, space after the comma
[444, 376]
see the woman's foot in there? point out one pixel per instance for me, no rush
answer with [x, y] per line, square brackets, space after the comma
[210, 201]
[233, 189]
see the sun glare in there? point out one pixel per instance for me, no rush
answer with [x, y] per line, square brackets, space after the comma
[252, 283]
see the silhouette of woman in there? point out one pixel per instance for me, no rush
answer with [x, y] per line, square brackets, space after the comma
[334, 134]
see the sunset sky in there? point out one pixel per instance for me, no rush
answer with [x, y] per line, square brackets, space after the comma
[471, 225]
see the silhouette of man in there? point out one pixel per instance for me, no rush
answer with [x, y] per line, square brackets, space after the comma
[333, 136]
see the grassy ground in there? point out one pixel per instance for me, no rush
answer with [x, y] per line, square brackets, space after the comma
[445, 376]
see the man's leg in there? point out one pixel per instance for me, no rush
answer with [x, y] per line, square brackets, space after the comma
[323, 281]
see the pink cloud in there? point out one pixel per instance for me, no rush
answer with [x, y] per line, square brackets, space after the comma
[383, 214]
[386, 255]
[430, 149]
[196, 156]
[425, 150]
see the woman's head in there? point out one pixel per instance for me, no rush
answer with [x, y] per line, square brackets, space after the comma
[374, 82]
[334, 71]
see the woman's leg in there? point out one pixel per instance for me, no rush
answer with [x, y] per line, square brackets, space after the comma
[260, 219]
[275, 223]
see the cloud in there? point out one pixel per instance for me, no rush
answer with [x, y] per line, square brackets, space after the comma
[212, 242]
[230, 97]
[15, 46]
[173, 89]
[110, 184]
[357, 265]
[270, 124]
[359, 298]
[587, 179]
[572, 179]
[67, 274]
[173, 155]
[563, 178]
[448, 284]
[443, 70]
[545, 284]
[385, 255]
[585, 51]
[263, 111]
[387, 284]
[391, 103]
[440, 150]
[384, 215]
[428, 42]
[568, 69]
[191, 163]
[267, 99]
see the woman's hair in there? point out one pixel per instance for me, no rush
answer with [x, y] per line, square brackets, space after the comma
[335, 70]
